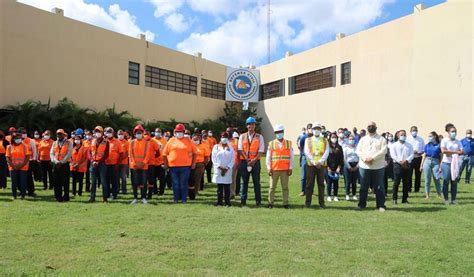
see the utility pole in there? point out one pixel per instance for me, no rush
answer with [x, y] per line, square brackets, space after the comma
[268, 32]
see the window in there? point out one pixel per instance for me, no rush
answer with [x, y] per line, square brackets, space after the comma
[272, 90]
[212, 89]
[169, 80]
[319, 79]
[346, 73]
[133, 73]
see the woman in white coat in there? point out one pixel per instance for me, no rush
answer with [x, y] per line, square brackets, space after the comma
[223, 156]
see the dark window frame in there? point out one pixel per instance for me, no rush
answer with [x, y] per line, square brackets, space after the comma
[212, 89]
[346, 73]
[313, 80]
[133, 80]
[170, 80]
[272, 90]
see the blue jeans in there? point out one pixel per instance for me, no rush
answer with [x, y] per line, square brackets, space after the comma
[123, 169]
[19, 180]
[303, 172]
[180, 180]
[467, 162]
[245, 181]
[332, 185]
[374, 177]
[431, 168]
[446, 169]
[99, 172]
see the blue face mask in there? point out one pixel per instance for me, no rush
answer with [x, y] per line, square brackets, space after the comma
[403, 138]
[452, 135]
[431, 139]
[279, 135]
[414, 133]
[351, 142]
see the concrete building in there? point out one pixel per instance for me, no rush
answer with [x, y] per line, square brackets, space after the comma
[416, 70]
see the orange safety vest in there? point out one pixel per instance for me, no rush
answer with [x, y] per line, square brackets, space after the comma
[250, 148]
[79, 156]
[138, 151]
[44, 148]
[280, 158]
[2, 148]
[114, 152]
[98, 151]
[235, 145]
[61, 152]
[162, 143]
[125, 144]
[316, 149]
[157, 147]
[27, 141]
[17, 154]
[202, 152]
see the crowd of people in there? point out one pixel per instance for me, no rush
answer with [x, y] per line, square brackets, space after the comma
[181, 160]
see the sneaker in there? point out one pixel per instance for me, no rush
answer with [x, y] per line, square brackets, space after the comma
[134, 202]
[354, 198]
[270, 206]
[322, 206]
[329, 199]
[91, 200]
[301, 194]
[381, 209]
[144, 201]
[336, 199]
[286, 206]
[446, 202]
[454, 202]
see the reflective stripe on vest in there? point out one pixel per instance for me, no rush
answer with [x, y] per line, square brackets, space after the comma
[16, 161]
[96, 151]
[251, 149]
[316, 150]
[137, 158]
[280, 159]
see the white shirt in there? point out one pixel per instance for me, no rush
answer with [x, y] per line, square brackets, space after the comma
[268, 158]
[350, 156]
[418, 145]
[374, 147]
[261, 147]
[401, 152]
[450, 145]
[310, 157]
[222, 157]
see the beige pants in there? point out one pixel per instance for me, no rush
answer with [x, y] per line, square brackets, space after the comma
[283, 176]
[233, 186]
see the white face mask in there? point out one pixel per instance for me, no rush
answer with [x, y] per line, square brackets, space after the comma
[109, 135]
[139, 135]
[46, 137]
[224, 140]
[316, 133]
[179, 134]
[88, 137]
[468, 136]
[209, 134]
[18, 141]
[120, 137]
[98, 135]
[196, 142]
[37, 136]
[23, 136]
[187, 136]
[235, 135]
[77, 141]
[157, 135]
[334, 140]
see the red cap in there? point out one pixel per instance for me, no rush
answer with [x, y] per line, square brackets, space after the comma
[12, 129]
[138, 128]
[180, 128]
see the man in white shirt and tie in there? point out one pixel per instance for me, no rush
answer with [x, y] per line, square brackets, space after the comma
[418, 149]
[402, 155]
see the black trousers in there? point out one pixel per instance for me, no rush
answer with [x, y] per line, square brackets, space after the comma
[30, 185]
[151, 180]
[3, 171]
[415, 166]
[388, 174]
[77, 178]
[112, 179]
[401, 174]
[61, 182]
[161, 175]
[47, 173]
[88, 177]
[208, 171]
[223, 192]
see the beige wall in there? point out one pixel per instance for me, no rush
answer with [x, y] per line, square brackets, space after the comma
[46, 55]
[414, 70]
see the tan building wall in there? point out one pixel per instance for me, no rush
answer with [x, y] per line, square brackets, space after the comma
[416, 70]
[44, 55]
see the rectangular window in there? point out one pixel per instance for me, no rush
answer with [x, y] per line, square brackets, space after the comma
[272, 90]
[346, 73]
[314, 80]
[133, 73]
[169, 80]
[212, 89]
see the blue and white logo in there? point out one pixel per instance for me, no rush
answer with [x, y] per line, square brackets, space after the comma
[242, 85]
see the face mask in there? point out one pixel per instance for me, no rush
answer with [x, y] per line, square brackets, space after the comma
[430, 139]
[167, 137]
[316, 133]
[371, 129]
[98, 135]
[414, 134]
[196, 142]
[390, 139]
[209, 134]
[23, 136]
[235, 135]
[179, 135]
[37, 136]
[333, 140]
[139, 135]
[77, 141]
[88, 137]
[18, 141]
[279, 135]
[120, 137]
[187, 136]
[351, 142]
[46, 137]
[157, 135]
[340, 135]
[403, 138]
[453, 135]
[469, 136]
[346, 133]
[224, 140]
[109, 135]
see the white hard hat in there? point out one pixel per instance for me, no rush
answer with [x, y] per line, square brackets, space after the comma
[278, 128]
[317, 125]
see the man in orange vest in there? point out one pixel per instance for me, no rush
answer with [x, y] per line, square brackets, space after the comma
[33, 164]
[251, 147]
[139, 157]
[78, 165]
[212, 141]
[279, 163]
[3, 160]
[60, 155]
[160, 166]
[18, 156]
[87, 142]
[235, 186]
[112, 162]
[123, 162]
[11, 132]
[44, 150]
[154, 149]
[98, 154]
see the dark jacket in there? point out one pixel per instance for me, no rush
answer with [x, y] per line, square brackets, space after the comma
[336, 157]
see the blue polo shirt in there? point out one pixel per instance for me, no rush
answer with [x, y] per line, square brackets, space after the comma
[301, 145]
[433, 150]
[468, 146]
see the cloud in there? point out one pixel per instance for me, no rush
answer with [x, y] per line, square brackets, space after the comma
[176, 23]
[114, 19]
[166, 7]
[296, 25]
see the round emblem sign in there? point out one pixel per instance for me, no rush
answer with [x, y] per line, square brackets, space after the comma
[242, 84]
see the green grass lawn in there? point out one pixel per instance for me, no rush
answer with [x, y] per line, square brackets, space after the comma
[39, 236]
